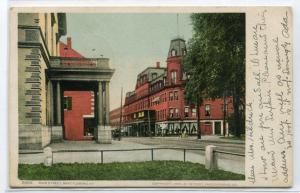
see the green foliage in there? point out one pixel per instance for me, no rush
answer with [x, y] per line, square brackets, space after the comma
[231, 124]
[155, 170]
[215, 60]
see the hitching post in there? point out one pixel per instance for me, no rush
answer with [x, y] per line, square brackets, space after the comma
[48, 158]
[210, 158]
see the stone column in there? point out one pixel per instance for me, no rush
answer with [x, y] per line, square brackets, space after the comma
[103, 134]
[51, 106]
[107, 102]
[213, 127]
[48, 103]
[57, 130]
[58, 103]
[100, 103]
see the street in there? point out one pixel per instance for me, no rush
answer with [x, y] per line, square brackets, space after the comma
[234, 146]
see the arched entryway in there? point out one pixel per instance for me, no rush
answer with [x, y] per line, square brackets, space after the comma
[73, 90]
[79, 114]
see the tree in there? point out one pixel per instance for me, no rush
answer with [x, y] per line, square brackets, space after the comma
[195, 87]
[218, 49]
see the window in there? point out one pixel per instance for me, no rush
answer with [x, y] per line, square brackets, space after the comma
[171, 113]
[170, 96]
[207, 110]
[176, 112]
[186, 111]
[173, 77]
[67, 103]
[173, 52]
[175, 95]
[194, 112]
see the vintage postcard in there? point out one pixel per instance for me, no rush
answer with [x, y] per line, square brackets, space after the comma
[151, 97]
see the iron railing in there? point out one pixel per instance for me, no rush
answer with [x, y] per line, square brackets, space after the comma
[184, 150]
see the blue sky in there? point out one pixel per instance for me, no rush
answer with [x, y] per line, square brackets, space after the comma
[132, 42]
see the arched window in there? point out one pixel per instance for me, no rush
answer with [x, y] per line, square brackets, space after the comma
[173, 77]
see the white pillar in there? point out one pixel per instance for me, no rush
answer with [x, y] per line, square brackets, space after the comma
[210, 158]
[213, 127]
[222, 128]
[48, 159]
[227, 128]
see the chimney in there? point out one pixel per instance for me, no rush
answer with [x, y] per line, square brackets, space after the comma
[69, 42]
[157, 64]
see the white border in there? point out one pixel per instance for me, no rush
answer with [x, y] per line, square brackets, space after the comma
[91, 3]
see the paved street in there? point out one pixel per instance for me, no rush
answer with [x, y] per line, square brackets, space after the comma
[234, 146]
[226, 162]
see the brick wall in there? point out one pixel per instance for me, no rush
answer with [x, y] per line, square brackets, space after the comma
[74, 118]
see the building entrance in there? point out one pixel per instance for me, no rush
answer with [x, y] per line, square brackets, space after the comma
[79, 120]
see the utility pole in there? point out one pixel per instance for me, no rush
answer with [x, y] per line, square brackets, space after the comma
[121, 112]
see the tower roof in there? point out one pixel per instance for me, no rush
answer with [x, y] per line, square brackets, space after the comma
[177, 47]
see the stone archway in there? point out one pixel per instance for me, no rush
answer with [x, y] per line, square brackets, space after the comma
[84, 78]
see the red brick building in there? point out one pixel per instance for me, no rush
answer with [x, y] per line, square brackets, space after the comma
[114, 118]
[79, 106]
[157, 105]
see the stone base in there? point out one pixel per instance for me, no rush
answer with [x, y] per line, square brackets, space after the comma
[103, 135]
[57, 134]
[33, 136]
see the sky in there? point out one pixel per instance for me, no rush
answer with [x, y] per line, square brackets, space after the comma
[132, 42]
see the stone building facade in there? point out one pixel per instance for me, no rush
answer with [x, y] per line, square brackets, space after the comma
[44, 76]
[157, 105]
